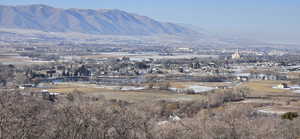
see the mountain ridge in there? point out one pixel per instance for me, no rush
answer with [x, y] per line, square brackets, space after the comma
[99, 21]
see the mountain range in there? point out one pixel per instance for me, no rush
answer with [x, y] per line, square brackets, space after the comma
[100, 21]
[46, 23]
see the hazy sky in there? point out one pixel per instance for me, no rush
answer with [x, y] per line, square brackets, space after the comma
[269, 19]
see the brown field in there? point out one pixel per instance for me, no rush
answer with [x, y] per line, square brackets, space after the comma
[113, 56]
[278, 100]
[261, 88]
[13, 59]
[144, 56]
[130, 96]
[294, 75]
[257, 88]
[208, 84]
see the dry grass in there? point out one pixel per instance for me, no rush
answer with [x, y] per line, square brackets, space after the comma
[265, 88]
[208, 84]
[114, 56]
[294, 75]
[131, 96]
[14, 59]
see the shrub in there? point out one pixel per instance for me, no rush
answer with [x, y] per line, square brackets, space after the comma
[290, 116]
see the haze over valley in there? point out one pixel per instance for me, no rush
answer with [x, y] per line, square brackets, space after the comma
[42, 21]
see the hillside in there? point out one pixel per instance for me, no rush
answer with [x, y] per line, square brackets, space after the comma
[101, 21]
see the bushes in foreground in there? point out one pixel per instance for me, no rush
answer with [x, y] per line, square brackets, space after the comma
[79, 118]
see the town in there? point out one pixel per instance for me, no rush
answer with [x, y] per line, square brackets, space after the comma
[174, 71]
[174, 79]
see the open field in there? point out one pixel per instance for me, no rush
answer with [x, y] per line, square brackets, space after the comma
[18, 60]
[257, 89]
[113, 92]
[279, 109]
[273, 100]
[208, 84]
[146, 56]
[13, 60]
[261, 88]
[294, 75]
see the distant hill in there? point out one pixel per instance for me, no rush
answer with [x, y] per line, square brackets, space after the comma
[102, 21]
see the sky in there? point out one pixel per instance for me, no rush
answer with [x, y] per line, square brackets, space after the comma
[274, 20]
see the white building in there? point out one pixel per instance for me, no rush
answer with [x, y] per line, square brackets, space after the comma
[236, 55]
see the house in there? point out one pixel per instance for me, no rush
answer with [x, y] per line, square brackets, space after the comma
[82, 71]
[125, 59]
[196, 65]
[174, 117]
[50, 73]
[27, 86]
[49, 95]
[283, 85]
[268, 77]
[243, 78]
